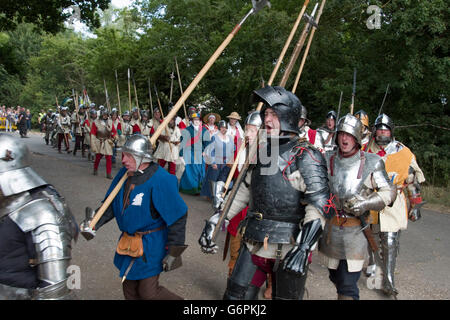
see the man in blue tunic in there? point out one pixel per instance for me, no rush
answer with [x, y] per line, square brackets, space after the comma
[152, 217]
[194, 139]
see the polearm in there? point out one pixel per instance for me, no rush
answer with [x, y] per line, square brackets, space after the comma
[106, 95]
[162, 115]
[129, 90]
[107, 201]
[287, 43]
[135, 92]
[257, 5]
[242, 174]
[150, 95]
[298, 47]
[384, 99]
[269, 83]
[172, 76]
[339, 110]
[118, 94]
[181, 87]
[308, 45]
[353, 92]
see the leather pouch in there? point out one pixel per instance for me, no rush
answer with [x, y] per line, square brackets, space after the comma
[130, 245]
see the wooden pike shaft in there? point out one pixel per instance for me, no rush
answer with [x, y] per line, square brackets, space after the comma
[108, 201]
[285, 48]
[296, 53]
[308, 45]
[195, 82]
[129, 90]
[181, 87]
[269, 83]
[118, 94]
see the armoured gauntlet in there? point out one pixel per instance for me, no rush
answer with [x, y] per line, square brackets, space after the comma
[358, 205]
[87, 232]
[206, 243]
[172, 260]
[297, 258]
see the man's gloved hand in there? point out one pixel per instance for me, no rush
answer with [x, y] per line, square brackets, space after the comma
[172, 260]
[414, 212]
[205, 241]
[86, 231]
[296, 259]
[358, 205]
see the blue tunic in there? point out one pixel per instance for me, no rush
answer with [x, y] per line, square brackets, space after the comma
[163, 190]
[192, 146]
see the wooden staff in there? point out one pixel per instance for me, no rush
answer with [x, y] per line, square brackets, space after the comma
[298, 46]
[300, 70]
[150, 95]
[269, 83]
[108, 201]
[162, 115]
[118, 94]
[286, 46]
[135, 92]
[129, 90]
[257, 5]
[181, 88]
[106, 95]
[171, 86]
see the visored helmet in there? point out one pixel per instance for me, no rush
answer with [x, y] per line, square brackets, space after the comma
[284, 103]
[351, 125]
[384, 122]
[16, 175]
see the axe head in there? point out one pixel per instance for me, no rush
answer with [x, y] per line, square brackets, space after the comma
[259, 4]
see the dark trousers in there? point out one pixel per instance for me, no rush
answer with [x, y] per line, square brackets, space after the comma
[147, 289]
[63, 137]
[346, 282]
[78, 143]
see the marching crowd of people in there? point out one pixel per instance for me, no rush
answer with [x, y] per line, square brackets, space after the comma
[335, 188]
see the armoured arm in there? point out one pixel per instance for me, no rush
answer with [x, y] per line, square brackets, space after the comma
[52, 229]
[385, 195]
[415, 177]
[313, 169]
[175, 243]
[297, 258]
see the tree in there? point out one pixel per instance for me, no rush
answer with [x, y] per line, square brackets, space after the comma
[49, 15]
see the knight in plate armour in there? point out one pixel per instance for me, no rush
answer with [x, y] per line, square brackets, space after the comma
[287, 193]
[359, 183]
[326, 133]
[36, 230]
[406, 175]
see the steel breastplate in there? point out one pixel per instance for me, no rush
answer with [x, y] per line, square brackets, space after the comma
[103, 129]
[272, 194]
[344, 180]
[328, 142]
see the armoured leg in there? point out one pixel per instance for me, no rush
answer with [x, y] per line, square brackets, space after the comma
[239, 282]
[389, 247]
[288, 286]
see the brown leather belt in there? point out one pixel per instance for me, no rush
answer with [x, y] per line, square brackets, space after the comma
[149, 231]
[347, 221]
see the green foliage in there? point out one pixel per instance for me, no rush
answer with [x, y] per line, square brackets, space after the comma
[410, 52]
[48, 15]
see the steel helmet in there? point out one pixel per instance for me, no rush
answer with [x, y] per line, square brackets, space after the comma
[351, 125]
[16, 175]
